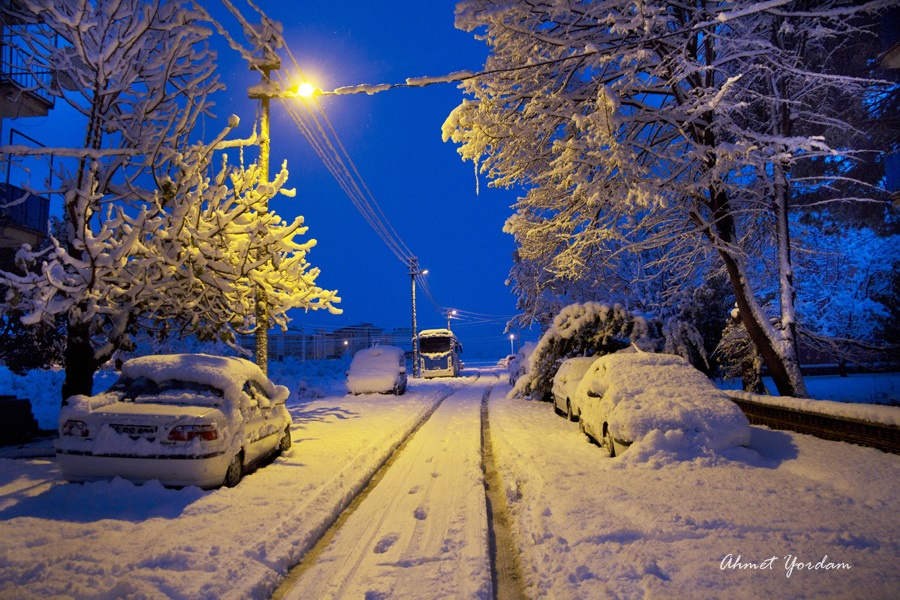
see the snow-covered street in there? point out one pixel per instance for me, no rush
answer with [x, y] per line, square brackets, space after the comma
[790, 516]
[422, 532]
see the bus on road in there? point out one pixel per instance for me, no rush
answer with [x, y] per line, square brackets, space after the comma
[439, 352]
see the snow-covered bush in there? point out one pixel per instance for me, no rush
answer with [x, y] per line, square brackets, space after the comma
[739, 359]
[588, 329]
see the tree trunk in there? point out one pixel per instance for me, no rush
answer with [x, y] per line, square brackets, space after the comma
[80, 362]
[775, 353]
[787, 293]
[786, 377]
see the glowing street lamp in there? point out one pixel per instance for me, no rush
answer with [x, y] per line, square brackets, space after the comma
[512, 337]
[306, 90]
[450, 313]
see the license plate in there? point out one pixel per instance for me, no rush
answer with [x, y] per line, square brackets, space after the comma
[136, 431]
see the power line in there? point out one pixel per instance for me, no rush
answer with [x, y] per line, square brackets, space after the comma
[318, 130]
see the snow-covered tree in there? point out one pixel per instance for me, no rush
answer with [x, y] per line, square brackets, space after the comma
[191, 263]
[664, 125]
[140, 73]
[845, 305]
[150, 240]
[217, 245]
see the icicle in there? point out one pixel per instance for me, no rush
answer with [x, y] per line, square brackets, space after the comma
[477, 184]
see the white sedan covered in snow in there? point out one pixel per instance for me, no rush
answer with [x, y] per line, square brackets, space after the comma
[184, 419]
[565, 384]
[635, 396]
[377, 370]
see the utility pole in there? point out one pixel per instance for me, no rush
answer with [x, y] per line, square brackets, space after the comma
[414, 272]
[265, 66]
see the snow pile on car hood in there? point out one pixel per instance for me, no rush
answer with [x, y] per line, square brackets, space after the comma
[374, 370]
[663, 404]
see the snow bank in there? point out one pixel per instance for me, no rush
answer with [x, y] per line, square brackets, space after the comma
[749, 523]
[115, 540]
[873, 413]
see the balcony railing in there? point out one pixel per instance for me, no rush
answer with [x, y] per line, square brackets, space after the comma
[32, 214]
[18, 68]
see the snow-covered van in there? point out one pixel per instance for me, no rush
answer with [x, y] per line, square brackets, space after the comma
[439, 352]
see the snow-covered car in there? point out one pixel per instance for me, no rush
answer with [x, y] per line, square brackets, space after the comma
[519, 364]
[377, 370]
[504, 362]
[627, 396]
[184, 419]
[565, 384]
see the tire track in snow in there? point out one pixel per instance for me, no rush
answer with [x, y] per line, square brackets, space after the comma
[420, 530]
[311, 558]
[506, 578]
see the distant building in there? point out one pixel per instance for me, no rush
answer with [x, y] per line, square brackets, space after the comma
[318, 344]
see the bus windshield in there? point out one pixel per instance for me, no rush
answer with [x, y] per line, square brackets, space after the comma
[434, 345]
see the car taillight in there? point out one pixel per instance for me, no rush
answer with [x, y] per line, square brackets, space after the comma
[186, 433]
[75, 429]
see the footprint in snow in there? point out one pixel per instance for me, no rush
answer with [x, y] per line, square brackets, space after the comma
[420, 513]
[414, 490]
[385, 543]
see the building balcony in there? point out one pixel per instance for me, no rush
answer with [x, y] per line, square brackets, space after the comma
[22, 221]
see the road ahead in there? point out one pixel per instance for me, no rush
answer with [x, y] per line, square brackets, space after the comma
[421, 529]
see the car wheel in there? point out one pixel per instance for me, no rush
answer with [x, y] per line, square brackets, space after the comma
[285, 444]
[608, 441]
[235, 470]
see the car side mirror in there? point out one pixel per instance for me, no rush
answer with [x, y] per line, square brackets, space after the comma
[281, 395]
[593, 394]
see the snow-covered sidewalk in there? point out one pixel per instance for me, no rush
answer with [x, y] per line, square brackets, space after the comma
[421, 532]
[115, 539]
[777, 520]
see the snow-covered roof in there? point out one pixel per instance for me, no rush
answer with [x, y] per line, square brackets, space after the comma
[436, 333]
[375, 369]
[227, 373]
[641, 392]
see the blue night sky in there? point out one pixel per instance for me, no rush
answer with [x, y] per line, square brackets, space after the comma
[427, 193]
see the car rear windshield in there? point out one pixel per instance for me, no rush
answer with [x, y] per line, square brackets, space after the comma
[167, 392]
